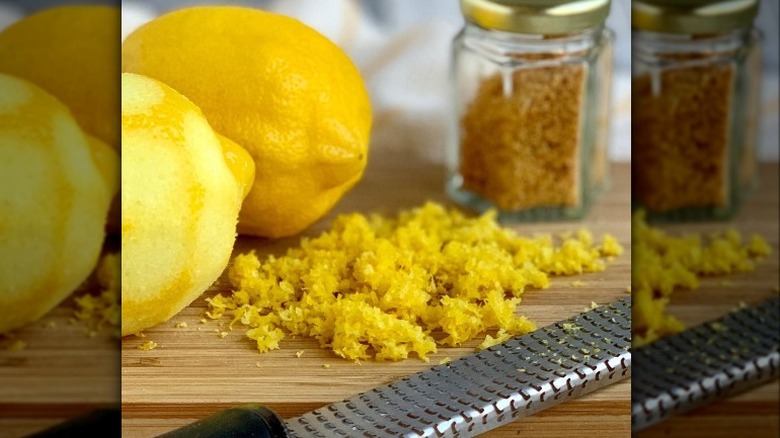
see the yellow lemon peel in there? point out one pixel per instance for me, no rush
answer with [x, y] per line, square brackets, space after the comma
[293, 100]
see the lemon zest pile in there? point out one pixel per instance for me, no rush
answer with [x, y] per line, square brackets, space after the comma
[375, 287]
[664, 264]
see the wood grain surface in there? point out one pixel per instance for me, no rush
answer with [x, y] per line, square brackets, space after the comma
[66, 370]
[194, 373]
[755, 413]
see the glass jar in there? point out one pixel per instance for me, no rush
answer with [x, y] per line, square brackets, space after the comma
[695, 77]
[530, 113]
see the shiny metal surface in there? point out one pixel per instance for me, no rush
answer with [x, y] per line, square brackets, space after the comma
[482, 391]
[718, 359]
[545, 17]
[693, 16]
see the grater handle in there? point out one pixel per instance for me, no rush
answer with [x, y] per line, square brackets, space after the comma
[248, 421]
[105, 420]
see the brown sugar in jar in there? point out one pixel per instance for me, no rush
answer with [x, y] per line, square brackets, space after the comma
[537, 165]
[530, 120]
[694, 117]
[680, 137]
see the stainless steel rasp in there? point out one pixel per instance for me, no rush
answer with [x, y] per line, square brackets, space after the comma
[468, 396]
[714, 360]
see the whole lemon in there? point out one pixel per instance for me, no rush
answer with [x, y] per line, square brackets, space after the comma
[182, 187]
[55, 188]
[71, 52]
[276, 87]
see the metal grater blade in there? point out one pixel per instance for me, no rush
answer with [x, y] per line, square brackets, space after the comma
[716, 359]
[482, 391]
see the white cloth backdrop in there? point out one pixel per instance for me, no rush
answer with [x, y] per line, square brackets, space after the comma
[402, 49]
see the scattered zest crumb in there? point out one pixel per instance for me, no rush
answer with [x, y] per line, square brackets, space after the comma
[490, 341]
[257, 364]
[97, 310]
[718, 327]
[223, 335]
[299, 353]
[181, 324]
[326, 365]
[592, 306]
[578, 283]
[445, 360]
[17, 345]
[148, 345]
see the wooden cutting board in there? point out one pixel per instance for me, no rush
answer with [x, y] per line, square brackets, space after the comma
[66, 370]
[63, 372]
[194, 373]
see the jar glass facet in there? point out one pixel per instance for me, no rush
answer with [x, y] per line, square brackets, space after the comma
[529, 128]
[694, 118]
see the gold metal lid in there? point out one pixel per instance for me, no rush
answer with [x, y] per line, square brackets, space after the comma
[692, 16]
[548, 17]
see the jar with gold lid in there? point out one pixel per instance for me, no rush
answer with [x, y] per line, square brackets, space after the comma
[695, 78]
[530, 116]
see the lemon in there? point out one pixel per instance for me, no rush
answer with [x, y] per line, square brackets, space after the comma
[182, 188]
[71, 52]
[55, 188]
[277, 88]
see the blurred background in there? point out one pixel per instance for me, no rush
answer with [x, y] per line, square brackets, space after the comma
[402, 47]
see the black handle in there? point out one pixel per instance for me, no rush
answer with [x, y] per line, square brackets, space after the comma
[249, 421]
[103, 422]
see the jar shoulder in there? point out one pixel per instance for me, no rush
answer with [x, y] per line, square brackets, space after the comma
[502, 47]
